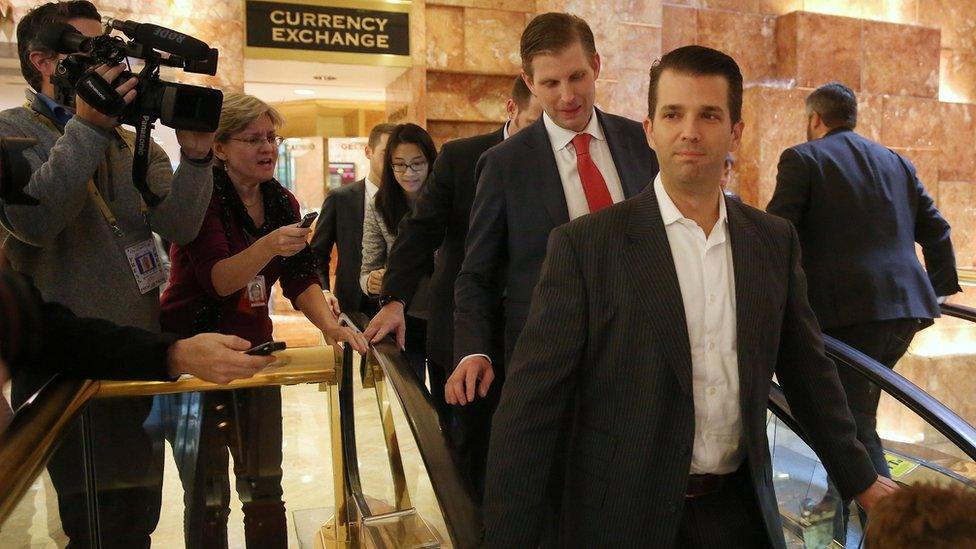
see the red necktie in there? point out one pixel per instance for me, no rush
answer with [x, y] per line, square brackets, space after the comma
[594, 186]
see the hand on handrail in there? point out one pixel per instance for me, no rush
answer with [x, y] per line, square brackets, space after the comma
[216, 358]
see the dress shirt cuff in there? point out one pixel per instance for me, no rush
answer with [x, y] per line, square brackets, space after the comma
[488, 358]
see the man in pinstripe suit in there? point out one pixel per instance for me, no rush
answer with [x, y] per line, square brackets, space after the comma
[651, 339]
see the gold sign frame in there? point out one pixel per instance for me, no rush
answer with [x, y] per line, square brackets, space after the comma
[350, 58]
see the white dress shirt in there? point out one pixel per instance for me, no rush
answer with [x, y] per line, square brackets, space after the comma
[707, 282]
[371, 190]
[565, 153]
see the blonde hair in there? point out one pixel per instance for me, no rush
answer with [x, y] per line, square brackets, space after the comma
[239, 111]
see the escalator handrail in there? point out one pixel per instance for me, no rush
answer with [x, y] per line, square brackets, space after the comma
[933, 412]
[462, 515]
[34, 432]
[959, 311]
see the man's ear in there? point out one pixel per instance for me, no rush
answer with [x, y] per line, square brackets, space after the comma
[511, 108]
[45, 64]
[649, 132]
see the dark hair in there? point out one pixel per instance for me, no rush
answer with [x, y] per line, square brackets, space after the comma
[37, 19]
[391, 201]
[377, 131]
[835, 103]
[520, 93]
[553, 32]
[698, 61]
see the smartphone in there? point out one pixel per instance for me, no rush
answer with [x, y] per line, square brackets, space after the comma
[306, 221]
[266, 348]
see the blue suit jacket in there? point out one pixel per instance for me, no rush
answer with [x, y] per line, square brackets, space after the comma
[519, 200]
[859, 209]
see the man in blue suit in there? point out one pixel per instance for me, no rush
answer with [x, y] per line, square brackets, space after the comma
[573, 161]
[859, 209]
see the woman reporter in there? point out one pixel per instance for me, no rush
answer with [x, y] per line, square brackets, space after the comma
[409, 155]
[220, 282]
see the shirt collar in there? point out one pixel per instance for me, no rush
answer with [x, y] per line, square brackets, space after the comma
[561, 137]
[671, 214]
[371, 188]
[505, 130]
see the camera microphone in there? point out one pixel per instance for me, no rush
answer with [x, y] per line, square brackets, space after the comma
[63, 38]
[161, 38]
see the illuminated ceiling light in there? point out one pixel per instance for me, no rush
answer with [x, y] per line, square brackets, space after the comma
[304, 92]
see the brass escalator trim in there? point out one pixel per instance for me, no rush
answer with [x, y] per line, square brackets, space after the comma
[292, 367]
[35, 431]
[400, 491]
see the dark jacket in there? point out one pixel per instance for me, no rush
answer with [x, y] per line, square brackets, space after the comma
[340, 224]
[859, 209]
[606, 344]
[519, 200]
[439, 222]
[49, 339]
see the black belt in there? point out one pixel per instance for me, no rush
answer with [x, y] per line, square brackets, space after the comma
[702, 485]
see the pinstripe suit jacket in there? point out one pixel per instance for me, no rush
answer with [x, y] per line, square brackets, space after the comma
[604, 357]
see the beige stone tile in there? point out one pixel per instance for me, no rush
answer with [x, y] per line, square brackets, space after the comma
[957, 77]
[749, 38]
[775, 119]
[870, 115]
[462, 97]
[443, 132]
[927, 164]
[957, 202]
[956, 18]
[630, 95]
[679, 27]
[743, 6]
[911, 122]
[901, 60]
[958, 158]
[642, 46]
[779, 7]
[508, 5]
[814, 49]
[491, 40]
[445, 37]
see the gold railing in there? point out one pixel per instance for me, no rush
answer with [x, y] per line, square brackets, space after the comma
[27, 443]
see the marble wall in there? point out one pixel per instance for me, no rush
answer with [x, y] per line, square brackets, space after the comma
[220, 24]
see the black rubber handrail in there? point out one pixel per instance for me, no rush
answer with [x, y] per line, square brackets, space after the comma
[347, 428]
[462, 515]
[933, 412]
[959, 311]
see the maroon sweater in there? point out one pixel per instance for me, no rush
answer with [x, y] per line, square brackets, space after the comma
[190, 304]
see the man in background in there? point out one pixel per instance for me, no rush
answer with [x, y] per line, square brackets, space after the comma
[439, 223]
[340, 224]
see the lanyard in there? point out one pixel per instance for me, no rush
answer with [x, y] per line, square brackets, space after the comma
[110, 218]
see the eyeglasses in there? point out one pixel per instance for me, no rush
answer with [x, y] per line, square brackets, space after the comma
[256, 140]
[415, 167]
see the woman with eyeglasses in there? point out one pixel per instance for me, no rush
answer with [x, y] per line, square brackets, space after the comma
[220, 282]
[409, 155]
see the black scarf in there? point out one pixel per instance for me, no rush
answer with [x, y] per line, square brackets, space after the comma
[277, 213]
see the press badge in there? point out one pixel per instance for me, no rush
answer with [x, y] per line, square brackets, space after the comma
[146, 265]
[256, 292]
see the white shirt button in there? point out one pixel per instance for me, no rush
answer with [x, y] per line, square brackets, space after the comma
[711, 345]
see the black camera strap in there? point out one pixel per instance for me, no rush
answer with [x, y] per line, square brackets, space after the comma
[140, 159]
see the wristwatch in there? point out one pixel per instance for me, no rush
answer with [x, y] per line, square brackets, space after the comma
[385, 300]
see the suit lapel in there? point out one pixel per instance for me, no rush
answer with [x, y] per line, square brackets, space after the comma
[651, 266]
[623, 155]
[359, 195]
[542, 162]
[747, 262]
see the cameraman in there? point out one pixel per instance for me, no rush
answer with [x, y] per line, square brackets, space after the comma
[89, 246]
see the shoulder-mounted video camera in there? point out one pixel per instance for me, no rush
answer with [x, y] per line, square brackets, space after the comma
[179, 106]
